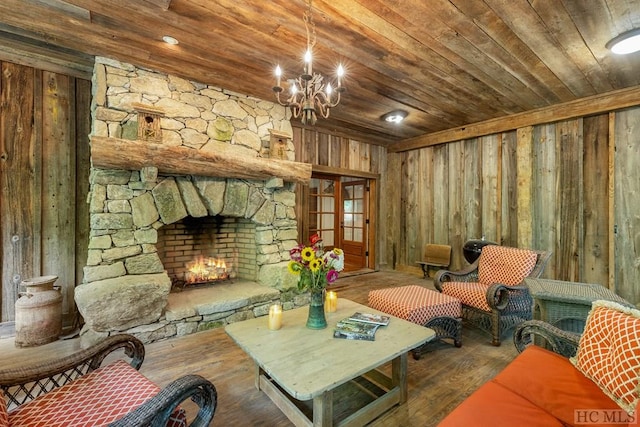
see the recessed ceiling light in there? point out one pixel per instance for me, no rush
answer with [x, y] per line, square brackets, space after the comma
[170, 40]
[625, 43]
[395, 116]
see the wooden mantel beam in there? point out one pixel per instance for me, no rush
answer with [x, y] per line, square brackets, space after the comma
[596, 104]
[114, 153]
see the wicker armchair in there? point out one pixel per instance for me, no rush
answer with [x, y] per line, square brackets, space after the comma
[69, 382]
[545, 335]
[491, 290]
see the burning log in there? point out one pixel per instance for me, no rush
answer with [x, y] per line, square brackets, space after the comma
[206, 270]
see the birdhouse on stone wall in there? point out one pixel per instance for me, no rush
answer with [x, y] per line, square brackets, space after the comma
[278, 144]
[149, 122]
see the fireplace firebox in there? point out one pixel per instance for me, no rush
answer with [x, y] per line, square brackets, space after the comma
[204, 251]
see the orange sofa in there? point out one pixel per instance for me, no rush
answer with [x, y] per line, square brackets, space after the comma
[545, 388]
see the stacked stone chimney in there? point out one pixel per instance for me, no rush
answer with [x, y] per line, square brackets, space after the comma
[125, 284]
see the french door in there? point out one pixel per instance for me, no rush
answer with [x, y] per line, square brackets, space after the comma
[353, 227]
[338, 210]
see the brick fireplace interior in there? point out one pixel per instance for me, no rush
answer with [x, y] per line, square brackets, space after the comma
[204, 251]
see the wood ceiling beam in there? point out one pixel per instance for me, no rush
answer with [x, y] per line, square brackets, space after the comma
[66, 8]
[163, 4]
[588, 106]
[32, 53]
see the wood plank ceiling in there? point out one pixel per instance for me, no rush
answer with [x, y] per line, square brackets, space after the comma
[448, 63]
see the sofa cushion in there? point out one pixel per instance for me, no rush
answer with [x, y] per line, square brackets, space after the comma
[493, 405]
[609, 352]
[506, 265]
[95, 399]
[473, 294]
[4, 417]
[551, 382]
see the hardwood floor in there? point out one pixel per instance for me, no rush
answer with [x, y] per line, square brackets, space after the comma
[438, 382]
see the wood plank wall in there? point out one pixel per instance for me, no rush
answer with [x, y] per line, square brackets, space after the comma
[626, 201]
[342, 155]
[322, 148]
[547, 186]
[44, 153]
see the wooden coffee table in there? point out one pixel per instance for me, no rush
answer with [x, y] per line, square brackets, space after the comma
[308, 365]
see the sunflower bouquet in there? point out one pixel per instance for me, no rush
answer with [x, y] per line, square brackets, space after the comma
[316, 268]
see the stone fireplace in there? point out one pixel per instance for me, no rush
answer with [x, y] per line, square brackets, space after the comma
[144, 192]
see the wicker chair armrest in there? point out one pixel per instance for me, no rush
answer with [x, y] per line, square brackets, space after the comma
[29, 382]
[498, 294]
[541, 263]
[157, 410]
[468, 274]
[562, 342]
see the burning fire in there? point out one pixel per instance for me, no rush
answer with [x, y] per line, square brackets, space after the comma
[206, 270]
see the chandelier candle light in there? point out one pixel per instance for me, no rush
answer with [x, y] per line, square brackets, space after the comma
[309, 95]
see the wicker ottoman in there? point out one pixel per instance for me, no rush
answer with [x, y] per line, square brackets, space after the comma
[422, 306]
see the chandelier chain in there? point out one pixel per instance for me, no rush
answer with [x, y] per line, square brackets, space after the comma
[307, 17]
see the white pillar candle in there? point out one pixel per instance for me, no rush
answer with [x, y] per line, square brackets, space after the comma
[275, 317]
[331, 302]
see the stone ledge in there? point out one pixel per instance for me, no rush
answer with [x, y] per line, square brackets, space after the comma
[221, 297]
[181, 317]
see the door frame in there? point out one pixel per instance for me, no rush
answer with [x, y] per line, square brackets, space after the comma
[302, 207]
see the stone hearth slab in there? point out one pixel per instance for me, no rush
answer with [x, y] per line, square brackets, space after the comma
[218, 298]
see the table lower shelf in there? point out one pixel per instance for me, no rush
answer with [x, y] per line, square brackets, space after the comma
[354, 403]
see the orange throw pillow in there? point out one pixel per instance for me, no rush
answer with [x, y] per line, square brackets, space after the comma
[4, 417]
[609, 352]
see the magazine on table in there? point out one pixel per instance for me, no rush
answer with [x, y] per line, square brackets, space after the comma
[360, 326]
[354, 330]
[377, 319]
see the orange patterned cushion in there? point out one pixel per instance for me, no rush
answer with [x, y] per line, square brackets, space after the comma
[502, 264]
[414, 303]
[4, 418]
[96, 399]
[609, 352]
[473, 294]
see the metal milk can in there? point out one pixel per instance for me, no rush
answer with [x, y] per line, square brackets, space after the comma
[38, 312]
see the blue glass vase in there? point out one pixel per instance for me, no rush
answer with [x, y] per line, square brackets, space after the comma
[316, 319]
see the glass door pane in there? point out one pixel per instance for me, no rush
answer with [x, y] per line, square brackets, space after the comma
[322, 210]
